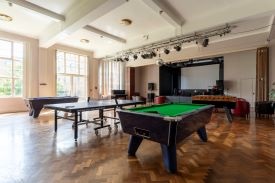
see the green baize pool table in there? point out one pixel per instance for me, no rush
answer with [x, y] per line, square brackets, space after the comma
[167, 124]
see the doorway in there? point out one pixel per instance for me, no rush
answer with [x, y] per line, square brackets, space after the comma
[247, 90]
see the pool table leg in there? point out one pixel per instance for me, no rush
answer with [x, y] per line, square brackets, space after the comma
[202, 134]
[36, 112]
[75, 125]
[55, 120]
[135, 141]
[228, 114]
[31, 112]
[169, 156]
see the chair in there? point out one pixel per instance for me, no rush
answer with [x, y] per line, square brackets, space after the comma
[265, 108]
[159, 100]
[118, 94]
[117, 121]
[246, 109]
[242, 108]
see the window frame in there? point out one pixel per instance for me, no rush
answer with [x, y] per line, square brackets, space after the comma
[13, 60]
[72, 75]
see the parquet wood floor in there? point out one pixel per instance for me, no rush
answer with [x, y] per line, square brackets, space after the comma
[30, 152]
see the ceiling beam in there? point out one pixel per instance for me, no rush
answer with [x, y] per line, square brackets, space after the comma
[162, 8]
[38, 9]
[81, 14]
[105, 34]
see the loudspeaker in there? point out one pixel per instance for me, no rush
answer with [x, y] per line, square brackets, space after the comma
[150, 97]
[219, 84]
[151, 86]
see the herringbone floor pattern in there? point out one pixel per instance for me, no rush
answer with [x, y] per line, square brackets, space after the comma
[30, 152]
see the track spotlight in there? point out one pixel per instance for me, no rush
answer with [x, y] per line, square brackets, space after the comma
[135, 57]
[205, 42]
[159, 62]
[143, 56]
[177, 48]
[166, 51]
[153, 54]
[150, 51]
[148, 55]
[126, 59]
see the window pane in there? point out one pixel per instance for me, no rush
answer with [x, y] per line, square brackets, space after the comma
[80, 89]
[71, 74]
[5, 87]
[5, 68]
[71, 64]
[18, 51]
[63, 86]
[60, 62]
[83, 65]
[17, 69]
[5, 49]
[18, 87]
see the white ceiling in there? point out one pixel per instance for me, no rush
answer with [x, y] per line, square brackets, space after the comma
[57, 6]
[28, 22]
[144, 20]
[24, 21]
[252, 18]
[97, 43]
[195, 9]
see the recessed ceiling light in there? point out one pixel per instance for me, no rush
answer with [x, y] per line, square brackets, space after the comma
[126, 22]
[84, 41]
[5, 17]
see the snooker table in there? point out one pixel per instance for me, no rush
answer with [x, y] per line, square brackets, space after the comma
[167, 124]
[35, 105]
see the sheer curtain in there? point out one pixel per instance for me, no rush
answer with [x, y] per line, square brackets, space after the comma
[111, 77]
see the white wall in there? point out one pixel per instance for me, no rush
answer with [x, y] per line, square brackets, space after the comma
[200, 77]
[239, 71]
[145, 75]
[137, 80]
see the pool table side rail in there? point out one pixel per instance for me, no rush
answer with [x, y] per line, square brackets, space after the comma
[168, 118]
[35, 105]
[156, 105]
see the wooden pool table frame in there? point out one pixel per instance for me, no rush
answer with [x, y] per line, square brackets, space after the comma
[168, 131]
[35, 105]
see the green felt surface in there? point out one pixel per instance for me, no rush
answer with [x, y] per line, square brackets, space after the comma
[171, 110]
